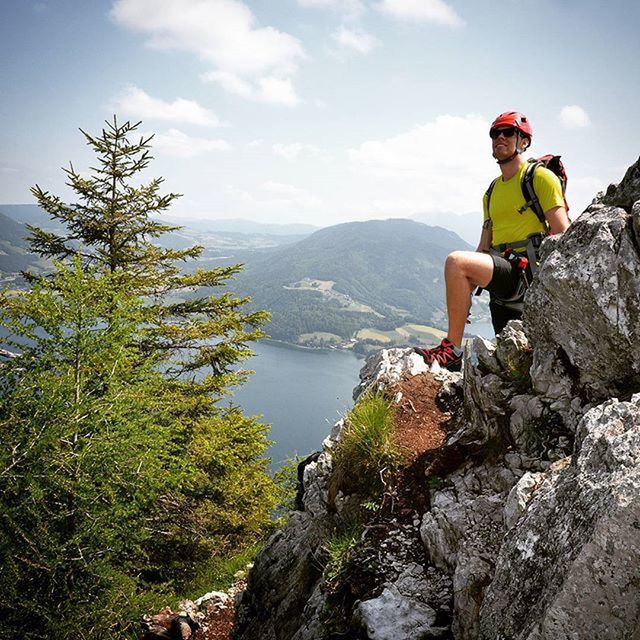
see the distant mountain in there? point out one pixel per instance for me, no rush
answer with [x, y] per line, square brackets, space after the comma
[215, 236]
[14, 251]
[238, 225]
[27, 214]
[466, 225]
[379, 273]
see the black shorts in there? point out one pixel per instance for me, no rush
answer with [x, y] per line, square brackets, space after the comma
[503, 285]
[505, 279]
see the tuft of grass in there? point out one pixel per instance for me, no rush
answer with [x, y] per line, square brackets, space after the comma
[338, 547]
[367, 455]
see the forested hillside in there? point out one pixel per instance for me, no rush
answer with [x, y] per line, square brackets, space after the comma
[378, 273]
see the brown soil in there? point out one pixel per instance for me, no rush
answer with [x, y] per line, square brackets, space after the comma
[420, 422]
[217, 624]
[422, 427]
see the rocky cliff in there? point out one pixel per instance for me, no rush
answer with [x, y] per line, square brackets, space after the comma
[521, 519]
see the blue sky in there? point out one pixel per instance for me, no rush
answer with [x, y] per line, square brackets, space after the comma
[319, 111]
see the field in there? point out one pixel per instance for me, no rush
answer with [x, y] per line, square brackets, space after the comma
[408, 333]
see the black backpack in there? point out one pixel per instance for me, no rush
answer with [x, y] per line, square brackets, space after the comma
[551, 162]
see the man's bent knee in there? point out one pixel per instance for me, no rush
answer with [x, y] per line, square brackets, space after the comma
[458, 259]
[476, 267]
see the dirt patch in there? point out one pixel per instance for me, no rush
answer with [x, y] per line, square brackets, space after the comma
[217, 624]
[422, 426]
[420, 422]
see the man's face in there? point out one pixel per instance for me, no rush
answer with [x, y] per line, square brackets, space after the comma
[503, 142]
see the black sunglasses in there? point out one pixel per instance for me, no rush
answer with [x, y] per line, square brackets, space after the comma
[507, 132]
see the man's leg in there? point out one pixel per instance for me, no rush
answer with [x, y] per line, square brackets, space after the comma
[463, 272]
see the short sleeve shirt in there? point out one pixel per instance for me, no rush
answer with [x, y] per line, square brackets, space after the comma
[508, 224]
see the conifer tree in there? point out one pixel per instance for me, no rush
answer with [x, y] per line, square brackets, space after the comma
[120, 471]
[111, 227]
[85, 457]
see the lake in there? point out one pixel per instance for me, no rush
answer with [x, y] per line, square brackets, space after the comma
[303, 392]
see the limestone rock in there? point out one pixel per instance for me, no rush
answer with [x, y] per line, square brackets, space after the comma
[485, 352]
[584, 306]
[386, 367]
[520, 496]
[484, 410]
[569, 569]
[393, 616]
[462, 534]
[287, 569]
[627, 192]
[512, 350]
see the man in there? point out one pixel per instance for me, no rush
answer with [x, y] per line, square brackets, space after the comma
[507, 224]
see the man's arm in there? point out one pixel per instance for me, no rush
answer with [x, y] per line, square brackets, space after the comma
[558, 219]
[485, 237]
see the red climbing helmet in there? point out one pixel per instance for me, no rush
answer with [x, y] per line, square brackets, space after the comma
[513, 119]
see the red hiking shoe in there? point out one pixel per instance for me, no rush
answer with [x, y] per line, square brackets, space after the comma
[443, 354]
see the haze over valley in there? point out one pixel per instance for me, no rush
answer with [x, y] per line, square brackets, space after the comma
[359, 284]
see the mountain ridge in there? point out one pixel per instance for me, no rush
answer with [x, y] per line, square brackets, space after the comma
[393, 266]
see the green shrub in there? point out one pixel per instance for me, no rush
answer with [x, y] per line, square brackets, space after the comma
[286, 481]
[219, 573]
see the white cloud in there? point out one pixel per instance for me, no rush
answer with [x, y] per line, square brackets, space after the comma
[443, 165]
[288, 151]
[350, 9]
[137, 103]
[581, 190]
[290, 195]
[294, 150]
[176, 143]
[436, 11]
[355, 39]
[277, 91]
[276, 197]
[267, 89]
[251, 61]
[574, 117]
[231, 82]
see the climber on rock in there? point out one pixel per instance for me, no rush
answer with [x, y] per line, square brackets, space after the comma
[521, 207]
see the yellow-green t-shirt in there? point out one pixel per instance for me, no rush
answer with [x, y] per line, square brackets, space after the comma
[506, 199]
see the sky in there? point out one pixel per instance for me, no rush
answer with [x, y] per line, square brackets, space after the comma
[319, 111]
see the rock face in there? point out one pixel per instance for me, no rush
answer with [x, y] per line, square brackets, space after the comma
[534, 532]
[576, 546]
[593, 272]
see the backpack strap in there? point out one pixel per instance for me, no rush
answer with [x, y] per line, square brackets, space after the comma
[530, 198]
[530, 247]
[488, 195]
